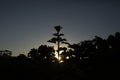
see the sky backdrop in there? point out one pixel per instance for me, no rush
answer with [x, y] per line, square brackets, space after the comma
[26, 24]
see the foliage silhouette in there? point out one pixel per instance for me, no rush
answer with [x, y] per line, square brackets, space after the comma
[33, 53]
[89, 59]
[44, 54]
[5, 53]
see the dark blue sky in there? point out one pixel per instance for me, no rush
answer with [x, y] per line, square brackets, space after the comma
[26, 24]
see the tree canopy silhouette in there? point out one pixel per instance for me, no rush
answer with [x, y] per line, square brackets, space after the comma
[43, 53]
[89, 59]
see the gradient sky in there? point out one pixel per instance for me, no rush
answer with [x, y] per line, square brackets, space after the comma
[26, 24]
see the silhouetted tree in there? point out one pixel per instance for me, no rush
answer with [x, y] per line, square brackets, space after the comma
[5, 53]
[46, 53]
[83, 50]
[75, 52]
[21, 56]
[100, 44]
[117, 41]
[89, 59]
[33, 53]
[114, 45]
[57, 39]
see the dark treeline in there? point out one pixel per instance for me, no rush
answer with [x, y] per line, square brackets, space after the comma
[90, 59]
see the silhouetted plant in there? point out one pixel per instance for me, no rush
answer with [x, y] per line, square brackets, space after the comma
[75, 52]
[33, 53]
[83, 50]
[46, 53]
[57, 39]
[114, 45]
[22, 56]
[88, 59]
[100, 43]
[5, 53]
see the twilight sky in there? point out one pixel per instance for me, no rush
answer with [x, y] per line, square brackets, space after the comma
[26, 24]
